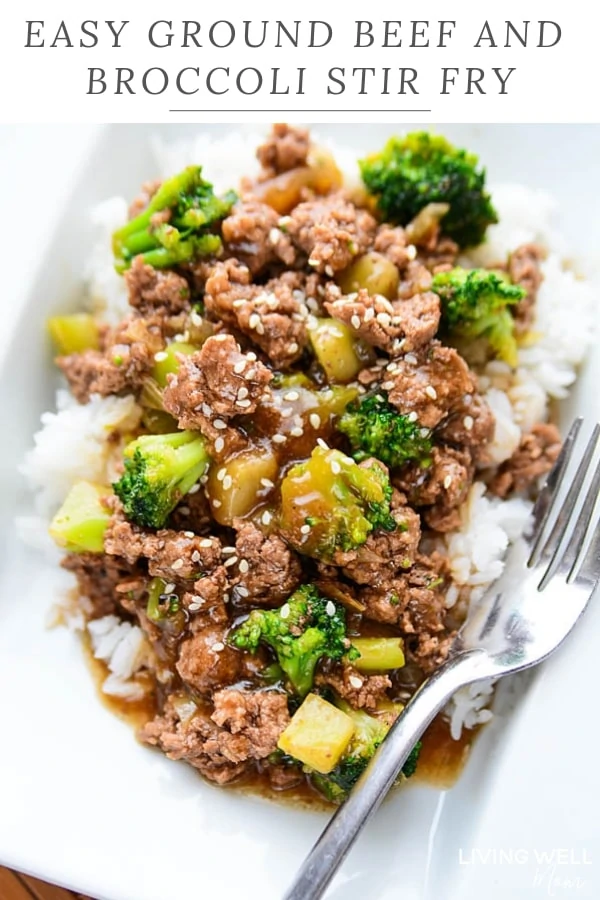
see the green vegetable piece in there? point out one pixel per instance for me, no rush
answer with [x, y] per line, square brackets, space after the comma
[375, 428]
[168, 363]
[193, 211]
[80, 523]
[74, 333]
[160, 603]
[159, 470]
[307, 628]
[372, 271]
[368, 734]
[421, 168]
[476, 304]
[328, 503]
[378, 654]
[334, 345]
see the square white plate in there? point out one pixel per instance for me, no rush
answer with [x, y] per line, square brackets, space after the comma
[82, 804]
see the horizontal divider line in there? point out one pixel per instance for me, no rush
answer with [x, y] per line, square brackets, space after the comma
[302, 110]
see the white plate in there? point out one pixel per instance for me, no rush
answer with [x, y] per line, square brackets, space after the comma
[83, 805]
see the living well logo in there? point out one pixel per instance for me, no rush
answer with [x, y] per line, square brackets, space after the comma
[557, 870]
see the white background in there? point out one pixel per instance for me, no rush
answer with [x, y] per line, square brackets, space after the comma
[549, 85]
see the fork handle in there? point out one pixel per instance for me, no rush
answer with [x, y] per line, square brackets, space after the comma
[331, 848]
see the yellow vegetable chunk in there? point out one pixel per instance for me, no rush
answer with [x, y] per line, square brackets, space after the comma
[236, 487]
[334, 344]
[80, 523]
[318, 734]
[372, 271]
[167, 361]
[378, 654]
[75, 333]
[284, 191]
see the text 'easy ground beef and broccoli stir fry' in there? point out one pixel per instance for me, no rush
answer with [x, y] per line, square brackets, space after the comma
[310, 427]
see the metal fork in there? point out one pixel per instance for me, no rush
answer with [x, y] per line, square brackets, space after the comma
[548, 579]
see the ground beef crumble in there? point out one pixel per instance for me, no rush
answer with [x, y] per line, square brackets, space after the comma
[534, 457]
[331, 231]
[286, 148]
[524, 269]
[360, 691]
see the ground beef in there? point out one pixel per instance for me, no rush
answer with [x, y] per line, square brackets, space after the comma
[430, 383]
[440, 255]
[286, 148]
[440, 487]
[192, 513]
[392, 326]
[273, 315]
[414, 279]
[534, 457]
[273, 570]
[156, 291]
[122, 366]
[524, 269]
[172, 555]
[209, 599]
[216, 384]
[360, 691]
[256, 717]
[206, 662]
[100, 578]
[331, 231]
[391, 242]
[251, 234]
[194, 738]
[470, 425]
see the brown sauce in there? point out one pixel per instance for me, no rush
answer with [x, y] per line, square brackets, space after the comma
[440, 764]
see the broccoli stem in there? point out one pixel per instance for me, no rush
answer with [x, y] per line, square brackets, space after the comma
[80, 523]
[378, 654]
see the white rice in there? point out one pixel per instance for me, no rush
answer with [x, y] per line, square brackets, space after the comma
[72, 442]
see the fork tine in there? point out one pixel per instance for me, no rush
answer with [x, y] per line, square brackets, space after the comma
[560, 536]
[549, 494]
[578, 538]
[589, 570]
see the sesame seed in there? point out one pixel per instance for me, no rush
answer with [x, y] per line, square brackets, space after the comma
[239, 367]
[284, 611]
[196, 318]
[227, 482]
[387, 385]
[251, 356]
[297, 431]
[242, 591]
[355, 321]
[315, 420]
[313, 262]
[287, 412]
[468, 422]
[243, 404]
[161, 356]
[284, 221]
[424, 432]
[411, 359]
[431, 392]
[305, 529]
[447, 481]
[355, 681]
[170, 587]
[335, 467]
[329, 271]
[279, 439]
[330, 608]
[221, 474]
[254, 320]
[206, 409]
[194, 607]
[293, 348]
[221, 337]
[369, 314]
[178, 564]
[412, 417]
[227, 551]
[274, 235]
[411, 252]
[266, 482]
[291, 395]
[242, 393]
[384, 319]
[249, 375]
[195, 556]
[183, 510]
[244, 566]
[217, 647]
[231, 561]
[219, 424]
[219, 444]
[216, 504]
[322, 444]
[239, 302]
[266, 517]
[260, 328]
[206, 542]
[189, 534]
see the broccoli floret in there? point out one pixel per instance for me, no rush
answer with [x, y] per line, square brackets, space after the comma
[159, 470]
[475, 303]
[421, 168]
[193, 211]
[368, 735]
[328, 503]
[375, 428]
[305, 629]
